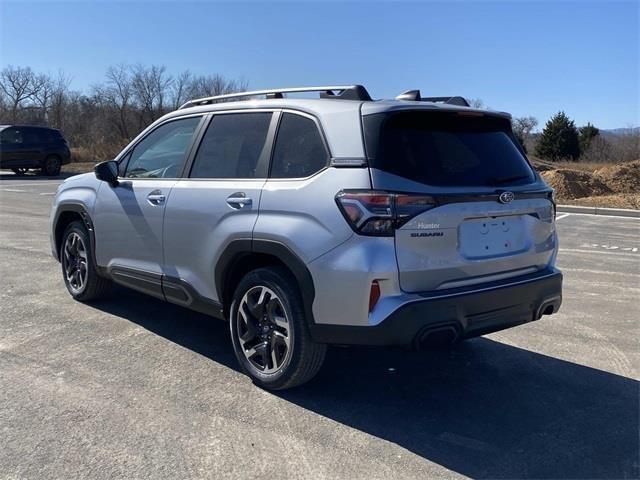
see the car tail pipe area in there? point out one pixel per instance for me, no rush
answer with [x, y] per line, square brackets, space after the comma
[437, 336]
[548, 307]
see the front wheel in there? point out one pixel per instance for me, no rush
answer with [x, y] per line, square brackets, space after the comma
[269, 331]
[78, 270]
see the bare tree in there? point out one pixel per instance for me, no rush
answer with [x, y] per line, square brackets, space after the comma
[626, 145]
[100, 122]
[50, 90]
[475, 102]
[150, 86]
[212, 85]
[599, 150]
[522, 128]
[18, 84]
[117, 92]
[181, 89]
[59, 100]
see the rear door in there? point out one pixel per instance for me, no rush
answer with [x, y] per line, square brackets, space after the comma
[218, 202]
[128, 219]
[34, 144]
[491, 217]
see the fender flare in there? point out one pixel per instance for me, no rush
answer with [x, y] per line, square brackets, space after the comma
[86, 218]
[239, 248]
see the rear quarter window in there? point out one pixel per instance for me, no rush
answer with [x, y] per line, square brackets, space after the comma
[446, 149]
[299, 150]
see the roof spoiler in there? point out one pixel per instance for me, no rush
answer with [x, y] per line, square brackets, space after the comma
[414, 96]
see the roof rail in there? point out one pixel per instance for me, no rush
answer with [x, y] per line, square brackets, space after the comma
[414, 95]
[338, 92]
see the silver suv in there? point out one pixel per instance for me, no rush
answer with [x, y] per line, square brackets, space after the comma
[306, 222]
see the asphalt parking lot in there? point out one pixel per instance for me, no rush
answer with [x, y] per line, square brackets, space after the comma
[137, 388]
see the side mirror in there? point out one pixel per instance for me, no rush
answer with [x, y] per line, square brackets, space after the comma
[107, 172]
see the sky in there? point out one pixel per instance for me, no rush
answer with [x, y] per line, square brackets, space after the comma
[527, 58]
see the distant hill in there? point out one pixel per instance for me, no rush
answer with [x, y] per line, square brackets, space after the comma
[619, 131]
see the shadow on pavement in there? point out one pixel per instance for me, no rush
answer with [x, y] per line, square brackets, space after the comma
[484, 409]
[35, 175]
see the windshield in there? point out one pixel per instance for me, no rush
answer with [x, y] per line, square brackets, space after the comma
[446, 149]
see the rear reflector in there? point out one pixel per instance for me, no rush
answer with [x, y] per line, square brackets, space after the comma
[374, 295]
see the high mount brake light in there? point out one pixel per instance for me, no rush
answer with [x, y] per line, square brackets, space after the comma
[379, 213]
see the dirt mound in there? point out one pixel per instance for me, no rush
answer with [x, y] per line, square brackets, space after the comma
[541, 165]
[570, 184]
[623, 178]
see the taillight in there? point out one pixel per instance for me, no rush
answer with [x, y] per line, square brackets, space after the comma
[379, 213]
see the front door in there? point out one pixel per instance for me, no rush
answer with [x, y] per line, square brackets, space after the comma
[15, 150]
[128, 218]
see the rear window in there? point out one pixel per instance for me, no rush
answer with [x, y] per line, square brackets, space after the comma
[446, 149]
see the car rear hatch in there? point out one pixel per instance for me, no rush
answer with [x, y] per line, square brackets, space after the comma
[478, 211]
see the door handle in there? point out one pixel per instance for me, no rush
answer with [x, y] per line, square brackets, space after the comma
[239, 200]
[156, 198]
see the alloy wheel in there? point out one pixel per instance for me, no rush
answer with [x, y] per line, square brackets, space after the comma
[263, 330]
[75, 262]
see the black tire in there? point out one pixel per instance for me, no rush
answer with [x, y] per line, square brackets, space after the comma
[20, 171]
[93, 285]
[52, 166]
[304, 357]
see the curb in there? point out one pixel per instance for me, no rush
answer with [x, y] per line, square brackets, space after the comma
[619, 212]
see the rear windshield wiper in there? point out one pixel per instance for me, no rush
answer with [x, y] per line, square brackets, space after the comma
[501, 181]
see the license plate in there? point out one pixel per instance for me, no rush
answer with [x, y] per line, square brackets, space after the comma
[492, 237]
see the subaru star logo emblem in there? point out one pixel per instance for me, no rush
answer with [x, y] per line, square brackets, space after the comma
[506, 197]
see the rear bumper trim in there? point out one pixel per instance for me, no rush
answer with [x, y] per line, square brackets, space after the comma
[470, 313]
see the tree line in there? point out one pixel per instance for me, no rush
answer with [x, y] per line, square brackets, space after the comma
[101, 120]
[110, 113]
[560, 139]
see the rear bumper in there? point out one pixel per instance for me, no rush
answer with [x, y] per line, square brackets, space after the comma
[456, 315]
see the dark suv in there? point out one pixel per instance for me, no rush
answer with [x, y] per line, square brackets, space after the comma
[25, 147]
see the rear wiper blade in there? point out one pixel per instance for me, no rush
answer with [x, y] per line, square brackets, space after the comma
[501, 181]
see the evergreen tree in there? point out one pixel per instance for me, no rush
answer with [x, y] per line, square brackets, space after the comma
[559, 139]
[587, 134]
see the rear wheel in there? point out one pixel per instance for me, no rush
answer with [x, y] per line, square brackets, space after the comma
[52, 166]
[20, 171]
[78, 270]
[269, 331]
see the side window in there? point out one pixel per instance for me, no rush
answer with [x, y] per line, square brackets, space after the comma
[30, 136]
[299, 150]
[232, 145]
[11, 136]
[46, 136]
[122, 165]
[161, 153]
